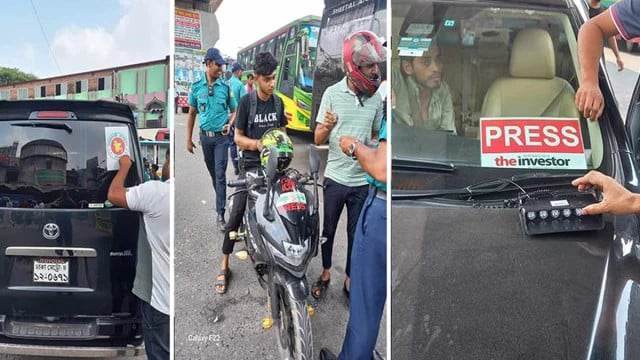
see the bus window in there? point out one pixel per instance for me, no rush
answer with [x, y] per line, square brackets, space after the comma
[289, 70]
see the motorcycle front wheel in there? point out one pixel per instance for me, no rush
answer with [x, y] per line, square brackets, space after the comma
[295, 339]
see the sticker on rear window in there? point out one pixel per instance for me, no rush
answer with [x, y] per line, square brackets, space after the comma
[532, 143]
[117, 145]
[420, 29]
[413, 46]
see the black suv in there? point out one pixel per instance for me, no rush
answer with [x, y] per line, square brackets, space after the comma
[468, 279]
[67, 256]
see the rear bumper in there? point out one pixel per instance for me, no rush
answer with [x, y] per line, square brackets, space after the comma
[71, 351]
[69, 330]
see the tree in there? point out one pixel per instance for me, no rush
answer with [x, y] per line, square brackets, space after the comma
[10, 76]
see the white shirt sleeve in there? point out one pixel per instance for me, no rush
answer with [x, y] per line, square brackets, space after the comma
[139, 198]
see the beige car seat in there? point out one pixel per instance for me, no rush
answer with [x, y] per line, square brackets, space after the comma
[533, 88]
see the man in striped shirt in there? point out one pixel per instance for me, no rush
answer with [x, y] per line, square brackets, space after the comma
[350, 107]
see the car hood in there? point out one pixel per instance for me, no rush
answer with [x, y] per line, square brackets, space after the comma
[471, 285]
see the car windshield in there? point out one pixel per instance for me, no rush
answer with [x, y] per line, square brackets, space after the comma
[59, 164]
[489, 87]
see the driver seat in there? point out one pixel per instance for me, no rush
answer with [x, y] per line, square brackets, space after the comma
[532, 90]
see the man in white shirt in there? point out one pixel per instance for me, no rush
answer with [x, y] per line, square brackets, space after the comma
[152, 199]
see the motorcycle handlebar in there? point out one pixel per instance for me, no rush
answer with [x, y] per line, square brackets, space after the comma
[237, 183]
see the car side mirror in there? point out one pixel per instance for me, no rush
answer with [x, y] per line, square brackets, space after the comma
[314, 159]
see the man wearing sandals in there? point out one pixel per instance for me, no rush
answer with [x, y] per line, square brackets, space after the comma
[258, 112]
[352, 108]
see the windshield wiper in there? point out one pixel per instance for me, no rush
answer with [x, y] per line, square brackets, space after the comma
[516, 182]
[64, 127]
[407, 164]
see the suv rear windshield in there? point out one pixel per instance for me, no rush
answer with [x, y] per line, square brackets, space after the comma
[489, 86]
[56, 164]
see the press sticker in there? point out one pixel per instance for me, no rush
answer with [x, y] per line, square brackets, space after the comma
[532, 143]
[292, 201]
[420, 29]
[117, 145]
[414, 46]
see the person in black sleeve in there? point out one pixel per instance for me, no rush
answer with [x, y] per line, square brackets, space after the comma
[258, 112]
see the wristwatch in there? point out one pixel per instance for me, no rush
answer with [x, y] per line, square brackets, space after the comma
[351, 150]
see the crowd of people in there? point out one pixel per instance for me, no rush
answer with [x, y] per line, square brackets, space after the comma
[233, 117]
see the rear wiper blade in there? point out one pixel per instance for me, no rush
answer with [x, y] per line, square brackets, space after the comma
[398, 163]
[64, 127]
[519, 182]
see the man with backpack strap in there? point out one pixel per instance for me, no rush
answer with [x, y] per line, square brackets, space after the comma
[258, 112]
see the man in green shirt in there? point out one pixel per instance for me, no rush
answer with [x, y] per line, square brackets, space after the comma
[238, 89]
[352, 108]
[369, 267]
[212, 100]
[422, 98]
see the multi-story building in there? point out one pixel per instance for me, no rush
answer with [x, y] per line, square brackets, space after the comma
[142, 86]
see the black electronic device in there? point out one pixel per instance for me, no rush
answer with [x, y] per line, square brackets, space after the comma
[558, 213]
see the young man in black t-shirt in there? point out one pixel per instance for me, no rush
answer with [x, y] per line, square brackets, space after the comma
[258, 112]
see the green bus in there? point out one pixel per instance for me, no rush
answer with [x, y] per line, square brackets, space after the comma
[294, 45]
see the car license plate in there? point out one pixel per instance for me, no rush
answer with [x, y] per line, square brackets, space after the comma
[51, 271]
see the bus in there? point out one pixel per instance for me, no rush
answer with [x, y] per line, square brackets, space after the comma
[341, 18]
[294, 45]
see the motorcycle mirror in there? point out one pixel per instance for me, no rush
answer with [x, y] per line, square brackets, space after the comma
[272, 163]
[314, 159]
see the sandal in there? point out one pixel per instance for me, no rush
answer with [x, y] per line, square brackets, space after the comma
[222, 284]
[319, 288]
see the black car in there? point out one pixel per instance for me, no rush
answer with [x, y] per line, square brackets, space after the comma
[469, 279]
[67, 255]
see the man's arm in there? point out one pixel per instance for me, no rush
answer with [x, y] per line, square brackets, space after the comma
[372, 160]
[232, 118]
[117, 192]
[233, 106]
[246, 143]
[589, 99]
[616, 199]
[613, 44]
[191, 120]
[325, 121]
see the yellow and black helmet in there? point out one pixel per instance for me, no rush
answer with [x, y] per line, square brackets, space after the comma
[276, 138]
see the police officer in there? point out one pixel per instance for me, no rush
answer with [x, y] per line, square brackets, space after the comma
[212, 99]
[238, 89]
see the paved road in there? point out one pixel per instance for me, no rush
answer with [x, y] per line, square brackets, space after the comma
[208, 325]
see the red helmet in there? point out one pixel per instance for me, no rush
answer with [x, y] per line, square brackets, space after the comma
[360, 49]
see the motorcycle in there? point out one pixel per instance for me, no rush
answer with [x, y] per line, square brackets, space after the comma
[280, 229]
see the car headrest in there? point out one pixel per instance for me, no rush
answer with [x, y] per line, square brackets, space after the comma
[532, 55]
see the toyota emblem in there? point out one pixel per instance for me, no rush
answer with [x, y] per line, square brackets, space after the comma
[51, 231]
